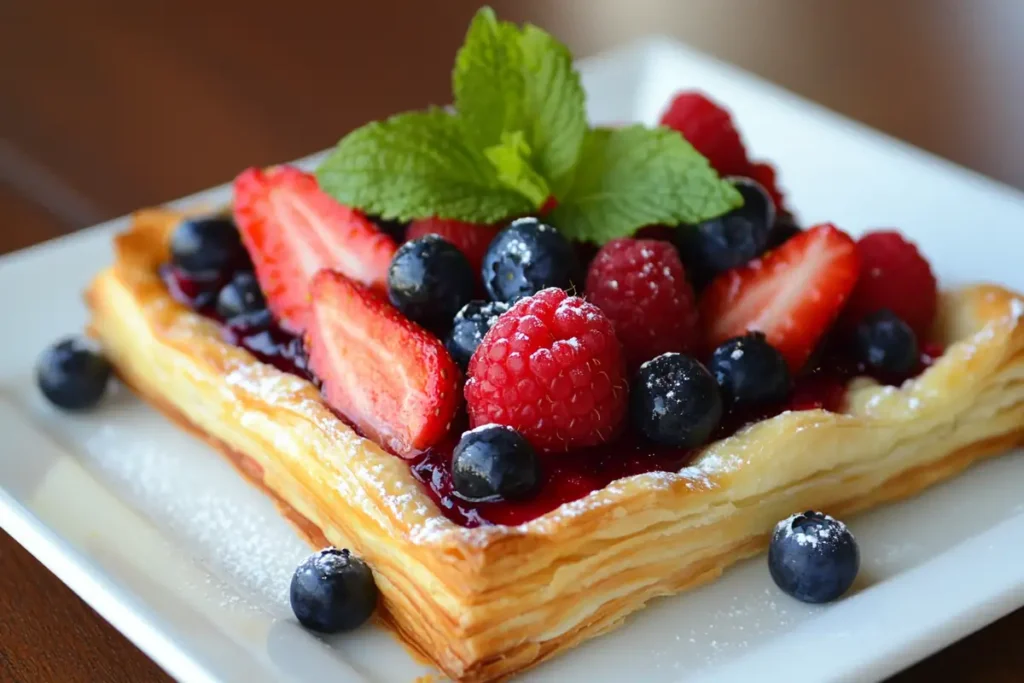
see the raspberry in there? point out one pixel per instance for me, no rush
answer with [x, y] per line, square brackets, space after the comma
[552, 369]
[709, 128]
[471, 239]
[642, 287]
[893, 275]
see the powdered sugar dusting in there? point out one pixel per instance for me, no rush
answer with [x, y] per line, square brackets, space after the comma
[812, 536]
[231, 528]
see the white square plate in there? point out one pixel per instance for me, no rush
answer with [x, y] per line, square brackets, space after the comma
[164, 539]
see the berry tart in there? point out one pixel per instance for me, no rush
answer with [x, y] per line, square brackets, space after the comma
[532, 374]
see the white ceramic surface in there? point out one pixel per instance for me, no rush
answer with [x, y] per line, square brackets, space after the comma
[167, 542]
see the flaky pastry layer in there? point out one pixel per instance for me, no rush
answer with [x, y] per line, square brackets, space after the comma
[484, 603]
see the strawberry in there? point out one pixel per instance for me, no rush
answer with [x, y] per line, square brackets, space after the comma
[392, 379]
[292, 229]
[792, 294]
[471, 239]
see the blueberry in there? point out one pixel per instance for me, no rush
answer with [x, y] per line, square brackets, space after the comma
[675, 401]
[750, 371]
[72, 374]
[333, 590]
[207, 246]
[730, 240]
[785, 227]
[813, 557]
[494, 462]
[526, 257]
[242, 297]
[429, 280]
[470, 326]
[886, 343]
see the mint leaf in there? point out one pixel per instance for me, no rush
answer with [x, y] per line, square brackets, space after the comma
[508, 80]
[488, 80]
[510, 159]
[417, 165]
[554, 106]
[630, 177]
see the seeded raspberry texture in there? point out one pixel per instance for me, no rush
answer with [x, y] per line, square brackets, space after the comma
[552, 368]
[893, 275]
[710, 129]
[642, 288]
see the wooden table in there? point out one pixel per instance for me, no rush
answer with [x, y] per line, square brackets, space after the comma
[108, 106]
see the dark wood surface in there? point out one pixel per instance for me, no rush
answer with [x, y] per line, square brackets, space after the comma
[108, 106]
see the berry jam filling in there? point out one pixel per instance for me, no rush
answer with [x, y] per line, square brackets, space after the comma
[260, 335]
[566, 477]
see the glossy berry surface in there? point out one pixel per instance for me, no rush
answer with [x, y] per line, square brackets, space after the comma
[551, 368]
[887, 344]
[750, 371]
[675, 401]
[206, 246]
[469, 327]
[430, 280]
[470, 238]
[732, 239]
[893, 275]
[813, 557]
[72, 374]
[241, 296]
[642, 288]
[525, 258]
[494, 462]
[333, 590]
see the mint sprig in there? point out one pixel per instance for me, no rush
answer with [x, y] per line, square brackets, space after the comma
[631, 177]
[519, 136]
[417, 165]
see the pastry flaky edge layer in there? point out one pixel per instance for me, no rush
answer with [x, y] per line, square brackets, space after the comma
[488, 602]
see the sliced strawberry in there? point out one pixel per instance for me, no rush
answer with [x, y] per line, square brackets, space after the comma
[392, 379]
[471, 239]
[792, 294]
[293, 229]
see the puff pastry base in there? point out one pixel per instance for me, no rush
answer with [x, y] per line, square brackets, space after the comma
[488, 602]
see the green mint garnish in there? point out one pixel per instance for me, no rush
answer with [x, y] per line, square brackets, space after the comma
[519, 136]
[635, 176]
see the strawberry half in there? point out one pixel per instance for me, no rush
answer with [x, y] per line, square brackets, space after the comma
[292, 230]
[792, 294]
[391, 378]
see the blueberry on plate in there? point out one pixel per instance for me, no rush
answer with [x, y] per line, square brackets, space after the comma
[813, 557]
[72, 374]
[750, 371]
[886, 343]
[429, 280]
[469, 327]
[526, 257]
[333, 590]
[207, 247]
[242, 297]
[495, 462]
[675, 401]
[729, 240]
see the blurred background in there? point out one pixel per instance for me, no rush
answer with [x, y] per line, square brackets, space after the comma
[109, 105]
